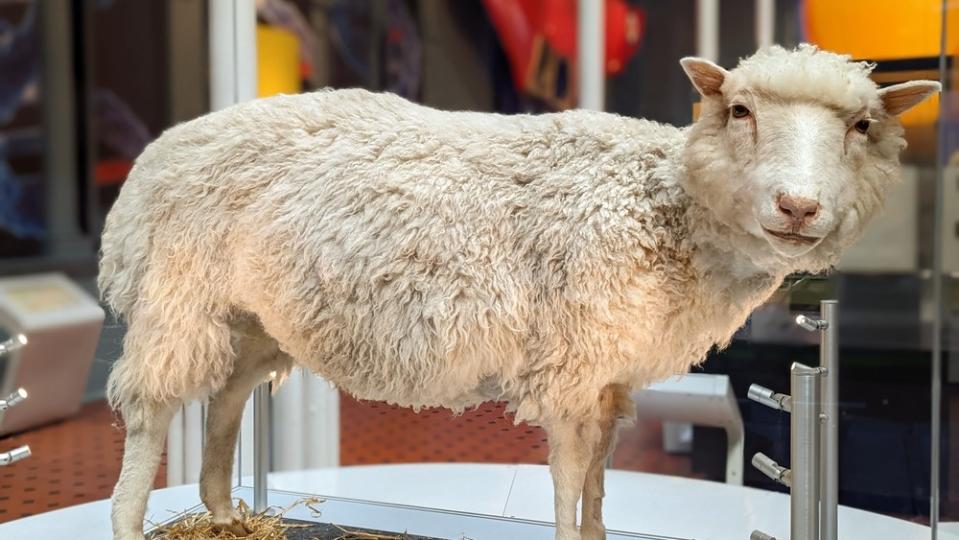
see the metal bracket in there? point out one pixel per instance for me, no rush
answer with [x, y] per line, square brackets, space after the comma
[17, 454]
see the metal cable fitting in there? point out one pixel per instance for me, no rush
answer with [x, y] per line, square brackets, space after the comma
[811, 324]
[767, 397]
[771, 469]
[16, 342]
[15, 455]
[13, 399]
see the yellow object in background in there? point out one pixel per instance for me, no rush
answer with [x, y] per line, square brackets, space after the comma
[278, 61]
[884, 30]
[876, 29]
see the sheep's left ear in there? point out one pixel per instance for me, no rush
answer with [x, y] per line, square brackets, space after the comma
[706, 76]
[899, 98]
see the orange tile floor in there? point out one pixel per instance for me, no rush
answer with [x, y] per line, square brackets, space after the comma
[78, 460]
[73, 462]
[378, 433]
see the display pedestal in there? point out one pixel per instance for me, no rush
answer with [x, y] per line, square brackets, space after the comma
[491, 502]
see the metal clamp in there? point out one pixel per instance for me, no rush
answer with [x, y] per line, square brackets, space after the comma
[769, 398]
[813, 325]
[15, 455]
[12, 344]
[13, 399]
[772, 470]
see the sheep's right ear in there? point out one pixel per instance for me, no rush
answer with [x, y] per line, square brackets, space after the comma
[706, 76]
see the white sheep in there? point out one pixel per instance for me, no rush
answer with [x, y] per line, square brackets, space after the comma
[432, 258]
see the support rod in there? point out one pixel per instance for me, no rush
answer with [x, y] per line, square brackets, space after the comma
[804, 453]
[261, 445]
[829, 362]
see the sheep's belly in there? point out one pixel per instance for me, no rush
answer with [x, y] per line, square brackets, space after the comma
[416, 372]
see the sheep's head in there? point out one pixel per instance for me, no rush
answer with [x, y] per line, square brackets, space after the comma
[794, 150]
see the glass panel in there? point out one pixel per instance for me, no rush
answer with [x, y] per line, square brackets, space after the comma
[461, 56]
[945, 304]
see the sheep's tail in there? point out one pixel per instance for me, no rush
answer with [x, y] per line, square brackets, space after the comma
[124, 250]
[124, 263]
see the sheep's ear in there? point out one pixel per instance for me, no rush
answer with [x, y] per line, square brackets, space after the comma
[899, 98]
[706, 76]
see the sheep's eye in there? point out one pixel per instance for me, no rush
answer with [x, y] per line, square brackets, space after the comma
[862, 126]
[738, 111]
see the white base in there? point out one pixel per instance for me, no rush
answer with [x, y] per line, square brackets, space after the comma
[496, 502]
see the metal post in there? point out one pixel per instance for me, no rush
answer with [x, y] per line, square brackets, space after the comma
[829, 362]
[804, 453]
[765, 23]
[707, 29]
[591, 58]
[261, 445]
[233, 79]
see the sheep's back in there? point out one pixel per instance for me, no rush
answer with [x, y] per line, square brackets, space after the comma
[408, 254]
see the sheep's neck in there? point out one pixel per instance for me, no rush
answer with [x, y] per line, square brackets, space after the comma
[734, 283]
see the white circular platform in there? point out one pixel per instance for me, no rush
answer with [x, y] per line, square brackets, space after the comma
[649, 504]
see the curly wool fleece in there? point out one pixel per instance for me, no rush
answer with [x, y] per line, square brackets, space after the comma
[422, 257]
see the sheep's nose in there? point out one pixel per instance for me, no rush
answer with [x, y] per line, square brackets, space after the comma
[798, 209]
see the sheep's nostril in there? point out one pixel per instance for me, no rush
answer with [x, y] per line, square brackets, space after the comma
[798, 208]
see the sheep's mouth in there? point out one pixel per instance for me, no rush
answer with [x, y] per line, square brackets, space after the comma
[793, 238]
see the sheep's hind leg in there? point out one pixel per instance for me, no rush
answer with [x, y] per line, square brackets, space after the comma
[146, 425]
[570, 451]
[615, 405]
[224, 414]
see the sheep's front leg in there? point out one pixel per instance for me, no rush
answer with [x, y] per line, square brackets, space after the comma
[570, 451]
[615, 406]
[146, 425]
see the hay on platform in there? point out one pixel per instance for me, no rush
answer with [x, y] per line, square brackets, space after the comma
[268, 525]
[363, 535]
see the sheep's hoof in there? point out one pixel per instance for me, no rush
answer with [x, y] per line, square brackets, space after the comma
[567, 533]
[236, 527]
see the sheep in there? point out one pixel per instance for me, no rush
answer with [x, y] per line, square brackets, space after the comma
[443, 259]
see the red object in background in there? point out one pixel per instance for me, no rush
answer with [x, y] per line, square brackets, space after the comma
[519, 23]
[109, 172]
[625, 28]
